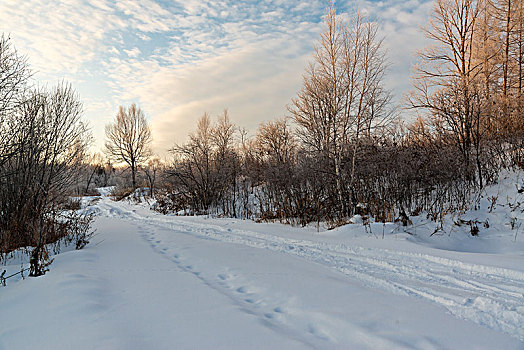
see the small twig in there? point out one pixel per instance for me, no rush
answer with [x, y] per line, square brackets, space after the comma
[16, 273]
[3, 279]
[99, 242]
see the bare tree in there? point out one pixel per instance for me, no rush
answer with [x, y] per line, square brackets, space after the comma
[205, 168]
[93, 167]
[14, 73]
[447, 82]
[151, 170]
[193, 168]
[222, 134]
[508, 25]
[342, 94]
[226, 162]
[276, 141]
[129, 139]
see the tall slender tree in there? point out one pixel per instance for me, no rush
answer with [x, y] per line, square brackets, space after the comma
[342, 95]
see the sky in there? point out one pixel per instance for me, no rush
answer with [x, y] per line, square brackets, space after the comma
[179, 59]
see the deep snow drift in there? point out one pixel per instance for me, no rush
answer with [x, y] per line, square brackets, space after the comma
[149, 281]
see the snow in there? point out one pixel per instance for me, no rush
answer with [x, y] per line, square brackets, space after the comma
[153, 281]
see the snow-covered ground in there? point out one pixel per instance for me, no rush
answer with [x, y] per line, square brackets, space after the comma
[149, 281]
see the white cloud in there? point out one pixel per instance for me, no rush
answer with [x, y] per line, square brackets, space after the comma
[134, 52]
[181, 58]
[57, 38]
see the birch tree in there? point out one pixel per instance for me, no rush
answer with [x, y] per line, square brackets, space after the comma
[342, 95]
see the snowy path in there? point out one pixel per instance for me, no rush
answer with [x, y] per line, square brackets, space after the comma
[152, 281]
[489, 296]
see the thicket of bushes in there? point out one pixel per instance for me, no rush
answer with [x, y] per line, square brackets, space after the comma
[397, 174]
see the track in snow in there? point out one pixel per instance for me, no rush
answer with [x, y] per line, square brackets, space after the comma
[489, 296]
